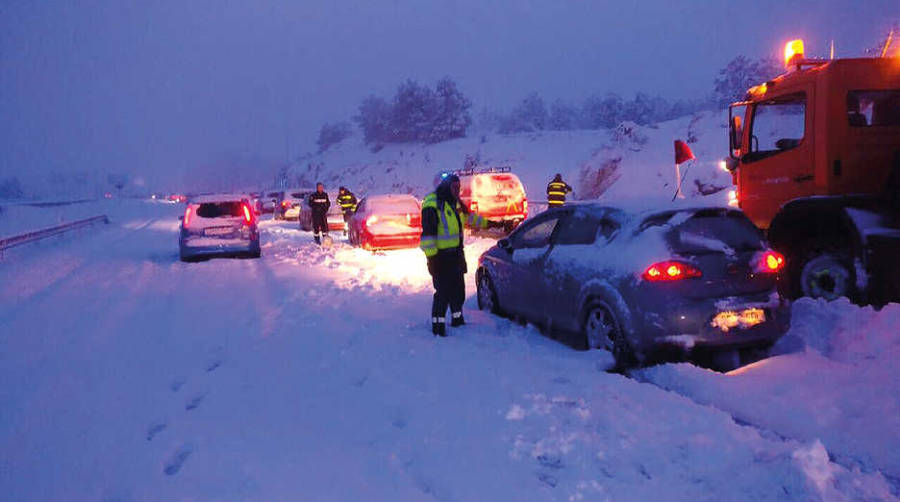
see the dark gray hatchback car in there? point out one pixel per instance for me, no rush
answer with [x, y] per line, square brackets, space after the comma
[644, 285]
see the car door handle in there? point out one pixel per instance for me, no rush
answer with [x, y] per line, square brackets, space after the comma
[801, 179]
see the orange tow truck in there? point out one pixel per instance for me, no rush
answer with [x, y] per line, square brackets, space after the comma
[815, 155]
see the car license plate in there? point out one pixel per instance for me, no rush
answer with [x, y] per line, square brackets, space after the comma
[746, 318]
[219, 231]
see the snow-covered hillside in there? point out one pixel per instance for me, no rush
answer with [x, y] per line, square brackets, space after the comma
[630, 161]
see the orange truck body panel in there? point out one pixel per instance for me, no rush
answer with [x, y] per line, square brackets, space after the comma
[833, 157]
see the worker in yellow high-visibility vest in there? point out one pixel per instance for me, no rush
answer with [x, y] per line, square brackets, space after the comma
[443, 218]
[556, 191]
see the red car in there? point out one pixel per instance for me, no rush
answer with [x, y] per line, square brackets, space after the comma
[386, 222]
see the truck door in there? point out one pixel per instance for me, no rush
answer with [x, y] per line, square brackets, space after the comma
[779, 164]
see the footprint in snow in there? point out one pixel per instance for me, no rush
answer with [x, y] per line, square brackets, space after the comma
[155, 429]
[215, 363]
[176, 461]
[194, 403]
[176, 385]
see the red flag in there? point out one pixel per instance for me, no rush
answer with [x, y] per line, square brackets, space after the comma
[683, 152]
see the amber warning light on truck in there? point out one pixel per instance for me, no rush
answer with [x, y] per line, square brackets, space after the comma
[793, 51]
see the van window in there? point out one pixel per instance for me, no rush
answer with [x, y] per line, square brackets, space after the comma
[873, 108]
[777, 126]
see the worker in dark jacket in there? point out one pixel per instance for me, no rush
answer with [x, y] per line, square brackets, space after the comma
[347, 201]
[556, 191]
[318, 204]
[443, 218]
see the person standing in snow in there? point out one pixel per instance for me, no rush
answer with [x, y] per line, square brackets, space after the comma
[557, 190]
[319, 203]
[347, 201]
[443, 218]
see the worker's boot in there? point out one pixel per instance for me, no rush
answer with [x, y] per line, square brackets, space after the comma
[438, 326]
[317, 239]
[456, 319]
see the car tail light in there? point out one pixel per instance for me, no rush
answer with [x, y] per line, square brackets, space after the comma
[187, 216]
[371, 220]
[284, 203]
[248, 219]
[771, 262]
[666, 271]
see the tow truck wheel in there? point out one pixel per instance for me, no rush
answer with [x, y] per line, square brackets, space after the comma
[828, 275]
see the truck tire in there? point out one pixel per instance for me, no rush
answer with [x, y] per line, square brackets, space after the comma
[828, 275]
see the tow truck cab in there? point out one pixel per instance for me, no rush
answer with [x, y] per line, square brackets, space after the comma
[815, 155]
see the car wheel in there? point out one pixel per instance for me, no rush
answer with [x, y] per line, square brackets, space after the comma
[828, 276]
[487, 295]
[602, 331]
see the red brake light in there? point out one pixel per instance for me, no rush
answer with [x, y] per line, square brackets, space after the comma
[670, 271]
[187, 216]
[772, 261]
[247, 217]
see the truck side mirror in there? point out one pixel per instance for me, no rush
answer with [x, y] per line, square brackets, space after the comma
[737, 134]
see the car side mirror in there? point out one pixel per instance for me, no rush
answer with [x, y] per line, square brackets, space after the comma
[505, 245]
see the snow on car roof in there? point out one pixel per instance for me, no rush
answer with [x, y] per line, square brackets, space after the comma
[385, 201]
[218, 197]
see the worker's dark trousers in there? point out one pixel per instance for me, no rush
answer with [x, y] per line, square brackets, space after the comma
[449, 289]
[320, 226]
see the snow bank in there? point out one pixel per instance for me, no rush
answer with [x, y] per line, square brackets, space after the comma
[835, 381]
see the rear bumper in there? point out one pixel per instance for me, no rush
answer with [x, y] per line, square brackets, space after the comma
[403, 241]
[689, 327]
[291, 214]
[197, 247]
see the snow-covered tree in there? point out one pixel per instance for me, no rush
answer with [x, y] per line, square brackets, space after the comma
[374, 120]
[332, 134]
[603, 112]
[529, 115]
[562, 117]
[740, 74]
[452, 118]
[417, 113]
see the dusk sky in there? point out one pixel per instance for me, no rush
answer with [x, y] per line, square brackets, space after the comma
[159, 87]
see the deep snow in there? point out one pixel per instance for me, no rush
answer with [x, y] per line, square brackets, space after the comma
[310, 374]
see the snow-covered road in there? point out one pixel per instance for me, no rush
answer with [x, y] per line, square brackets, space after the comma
[310, 374]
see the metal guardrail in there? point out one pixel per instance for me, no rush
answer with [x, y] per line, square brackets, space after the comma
[37, 235]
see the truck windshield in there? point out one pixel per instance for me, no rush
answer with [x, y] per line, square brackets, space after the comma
[779, 125]
[873, 108]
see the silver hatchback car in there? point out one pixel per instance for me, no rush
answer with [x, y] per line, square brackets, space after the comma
[218, 225]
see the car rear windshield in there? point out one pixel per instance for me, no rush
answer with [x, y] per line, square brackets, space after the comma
[230, 209]
[709, 231]
[873, 108]
[393, 206]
